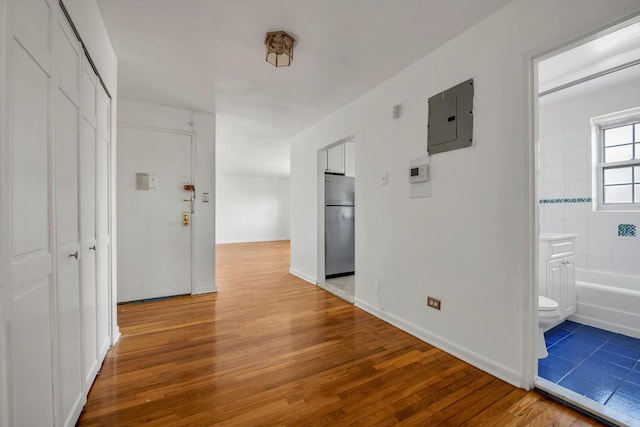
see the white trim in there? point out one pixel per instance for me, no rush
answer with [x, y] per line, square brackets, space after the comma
[5, 228]
[502, 372]
[256, 240]
[115, 335]
[303, 276]
[530, 292]
[205, 289]
[74, 414]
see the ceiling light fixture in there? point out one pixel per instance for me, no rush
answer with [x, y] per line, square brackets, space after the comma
[279, 48]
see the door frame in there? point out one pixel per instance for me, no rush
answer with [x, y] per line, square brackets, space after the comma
[5, 249]
[193, 218]
[530, 362]
[321, 164]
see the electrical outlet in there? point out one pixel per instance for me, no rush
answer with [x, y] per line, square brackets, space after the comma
[433, 303]
[376, 284]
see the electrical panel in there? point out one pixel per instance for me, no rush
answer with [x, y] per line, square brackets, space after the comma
[451, 119]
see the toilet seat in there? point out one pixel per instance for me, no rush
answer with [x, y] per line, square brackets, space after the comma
[546, 304]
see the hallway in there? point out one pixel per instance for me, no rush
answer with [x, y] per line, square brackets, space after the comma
[271, 349]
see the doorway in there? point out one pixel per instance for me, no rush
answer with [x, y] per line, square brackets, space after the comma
[587, 102]
[155, 207]
[336, 218]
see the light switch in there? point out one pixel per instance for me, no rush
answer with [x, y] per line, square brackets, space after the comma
[153, 182]
[384, 178]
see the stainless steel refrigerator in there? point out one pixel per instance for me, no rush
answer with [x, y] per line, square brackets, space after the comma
[339, 222]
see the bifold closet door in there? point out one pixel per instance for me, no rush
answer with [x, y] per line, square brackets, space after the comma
[70, 396]
[88, 246]
[31, 313]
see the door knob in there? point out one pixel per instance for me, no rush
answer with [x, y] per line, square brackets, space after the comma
[93, 248]
[74, 255]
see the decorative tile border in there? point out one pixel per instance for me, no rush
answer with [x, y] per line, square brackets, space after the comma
[626, 230]
[578, 200]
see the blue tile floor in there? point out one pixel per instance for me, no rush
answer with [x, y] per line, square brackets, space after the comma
[601, 365]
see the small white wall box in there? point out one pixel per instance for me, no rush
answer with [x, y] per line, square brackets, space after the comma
[418, 173]
[451, 119]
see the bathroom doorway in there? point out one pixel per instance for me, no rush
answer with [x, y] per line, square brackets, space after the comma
[336, 218]
[588, 198]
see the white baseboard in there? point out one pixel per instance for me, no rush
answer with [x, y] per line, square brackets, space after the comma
[116, 336]
[256, 240]
[504, 373]
[76, 410]
[303, 276]
[206, 289]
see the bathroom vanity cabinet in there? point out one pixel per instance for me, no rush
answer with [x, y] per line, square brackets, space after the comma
[557, 271]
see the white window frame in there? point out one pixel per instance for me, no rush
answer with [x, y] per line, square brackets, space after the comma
[598, 125]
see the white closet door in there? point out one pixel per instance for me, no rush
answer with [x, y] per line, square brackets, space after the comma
[102, 222]
[30, 313]
[88, 247]
[67, 98]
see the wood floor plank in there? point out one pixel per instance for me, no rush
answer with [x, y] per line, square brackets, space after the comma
[270, 349]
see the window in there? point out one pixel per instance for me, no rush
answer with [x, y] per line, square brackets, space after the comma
[617, 148]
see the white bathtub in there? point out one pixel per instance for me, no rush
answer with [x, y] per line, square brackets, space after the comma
[608, 301]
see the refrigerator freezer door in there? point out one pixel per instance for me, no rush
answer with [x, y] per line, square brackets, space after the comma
[338, 190]
[339, 240]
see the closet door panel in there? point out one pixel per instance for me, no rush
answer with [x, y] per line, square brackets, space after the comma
[88, 248]
[70, 391]
[30, 317]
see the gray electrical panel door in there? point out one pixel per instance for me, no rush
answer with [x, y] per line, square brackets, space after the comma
[451, 119]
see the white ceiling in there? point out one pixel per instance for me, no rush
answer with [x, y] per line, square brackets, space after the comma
[209, 55]
[590, 58]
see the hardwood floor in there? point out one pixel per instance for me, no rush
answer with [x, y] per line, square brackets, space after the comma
[271, 349]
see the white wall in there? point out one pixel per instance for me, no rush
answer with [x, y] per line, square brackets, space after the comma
[471, 243]
[566, 173]
[163, 117]
[251, 209]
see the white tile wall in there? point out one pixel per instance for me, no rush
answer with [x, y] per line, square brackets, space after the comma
[597, 246]
[626, 266]
[595, 262]
[577, 189]
[600, 228]
[565, 172]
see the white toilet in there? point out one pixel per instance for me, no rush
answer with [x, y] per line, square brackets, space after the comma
[548, 316]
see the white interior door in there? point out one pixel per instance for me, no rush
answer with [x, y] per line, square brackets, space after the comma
[154, 247]
[67, 101]
[87, 172]
[31, 318]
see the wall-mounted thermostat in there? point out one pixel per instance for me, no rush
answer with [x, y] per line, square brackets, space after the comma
[419, 173]
[419, 180]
